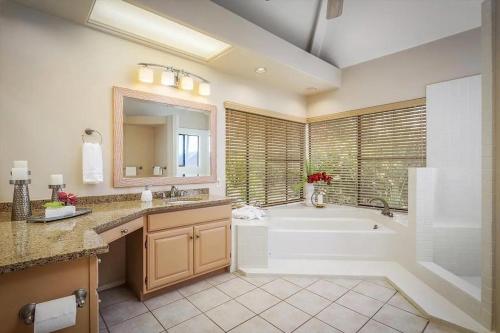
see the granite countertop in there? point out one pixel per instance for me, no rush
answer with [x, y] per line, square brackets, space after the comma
[24, 245]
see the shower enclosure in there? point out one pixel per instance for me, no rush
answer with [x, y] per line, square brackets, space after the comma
[449, 203]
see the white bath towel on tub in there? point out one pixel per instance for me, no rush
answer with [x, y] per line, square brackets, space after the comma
[92, 163]
[248, 213]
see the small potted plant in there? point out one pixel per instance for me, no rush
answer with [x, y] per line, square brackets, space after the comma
[64, 206]
[319, 178]
[312, 177]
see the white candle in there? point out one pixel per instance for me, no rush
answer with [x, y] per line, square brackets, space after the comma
[19, 173]
[21, 164]
[56, 179]
[320, 199]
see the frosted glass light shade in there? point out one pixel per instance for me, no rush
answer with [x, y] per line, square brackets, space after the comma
[121, 16]
[146, 74]
[168, 78]
[186, 83]
[204, 89]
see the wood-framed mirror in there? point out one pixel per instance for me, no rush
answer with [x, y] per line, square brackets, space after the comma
[161, 140]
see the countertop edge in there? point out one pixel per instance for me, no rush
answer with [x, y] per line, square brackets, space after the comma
[22, 265]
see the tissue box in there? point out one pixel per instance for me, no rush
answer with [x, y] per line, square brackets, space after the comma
[58, 212]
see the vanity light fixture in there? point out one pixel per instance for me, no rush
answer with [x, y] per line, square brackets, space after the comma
[174, 77]
[146, 74]
[204, 89]
[186, 82]
[168, 78]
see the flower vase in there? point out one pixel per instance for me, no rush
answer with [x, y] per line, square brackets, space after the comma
[308, 193]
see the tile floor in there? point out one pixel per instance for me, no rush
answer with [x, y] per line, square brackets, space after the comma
[239, 304]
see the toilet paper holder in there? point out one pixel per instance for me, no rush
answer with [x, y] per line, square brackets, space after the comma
[27, 311]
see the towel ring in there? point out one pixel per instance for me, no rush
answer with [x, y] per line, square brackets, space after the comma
[89, 132]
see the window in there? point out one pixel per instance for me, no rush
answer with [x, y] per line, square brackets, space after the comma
[369, 155]
[189, 150]
[264, 158]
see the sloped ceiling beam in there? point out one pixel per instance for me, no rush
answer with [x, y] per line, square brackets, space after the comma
[319, 33]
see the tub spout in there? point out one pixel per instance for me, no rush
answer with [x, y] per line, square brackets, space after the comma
[385, 210]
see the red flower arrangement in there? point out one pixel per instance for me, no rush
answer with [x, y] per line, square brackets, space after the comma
[67, 198]
[318, 177]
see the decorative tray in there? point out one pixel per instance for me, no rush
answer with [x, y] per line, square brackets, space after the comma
[43, 219]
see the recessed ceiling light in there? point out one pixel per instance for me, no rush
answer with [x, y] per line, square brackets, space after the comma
[260, 70]
[122, 17]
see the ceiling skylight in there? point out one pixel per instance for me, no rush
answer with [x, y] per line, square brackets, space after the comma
[122, 17]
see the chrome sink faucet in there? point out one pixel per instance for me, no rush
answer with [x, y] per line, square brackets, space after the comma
[386, 210]
[173, 191]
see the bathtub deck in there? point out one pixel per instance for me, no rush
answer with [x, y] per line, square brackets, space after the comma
[424, 297]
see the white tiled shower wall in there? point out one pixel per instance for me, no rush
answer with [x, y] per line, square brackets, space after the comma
[457, 249]
[450, 225]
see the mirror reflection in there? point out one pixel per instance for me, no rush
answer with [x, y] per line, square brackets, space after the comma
[162, 140]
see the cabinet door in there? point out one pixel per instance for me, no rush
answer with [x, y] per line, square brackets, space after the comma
[212, 246]
[170, 256]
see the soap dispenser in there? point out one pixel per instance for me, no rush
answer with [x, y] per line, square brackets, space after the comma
[147, 195]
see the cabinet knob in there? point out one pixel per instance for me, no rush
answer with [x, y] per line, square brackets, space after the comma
[197, 236]
[124, 231]
[99, 260]
[190, 237]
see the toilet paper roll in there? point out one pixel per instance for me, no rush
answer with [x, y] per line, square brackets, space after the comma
[55, 314]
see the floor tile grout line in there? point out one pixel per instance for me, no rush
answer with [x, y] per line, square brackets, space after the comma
[234, 299]
[373, 316]
[161, 325]
[396, 292]
[262, 310]
[204, 313]
[166, 329]
[300, 285]
[256, 315]
[330, 303]
[246, 292]
[121, 322]
[285, 300]
[428, 322]
[231, 297]
[308, 320]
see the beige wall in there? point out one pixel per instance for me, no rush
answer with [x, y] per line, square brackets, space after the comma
[56, 79]
[403, 75]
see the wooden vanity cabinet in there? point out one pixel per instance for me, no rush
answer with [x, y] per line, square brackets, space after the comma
[178, 246]
[212, 246]
[169, 256]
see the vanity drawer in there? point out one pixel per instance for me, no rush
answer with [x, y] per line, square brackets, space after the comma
[122, 230]
[187, 217]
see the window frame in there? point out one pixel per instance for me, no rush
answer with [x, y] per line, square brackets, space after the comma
[357, 189]
[293, 161]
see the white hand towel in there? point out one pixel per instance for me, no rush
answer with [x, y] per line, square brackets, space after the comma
[248, 213]
[92, 163]
[130, 171]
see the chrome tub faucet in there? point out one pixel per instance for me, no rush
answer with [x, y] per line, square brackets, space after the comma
[385, 210]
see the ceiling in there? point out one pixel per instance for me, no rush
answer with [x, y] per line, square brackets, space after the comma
[367, 29]
[288, 67]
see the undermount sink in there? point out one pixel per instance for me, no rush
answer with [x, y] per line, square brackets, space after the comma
[183, 199]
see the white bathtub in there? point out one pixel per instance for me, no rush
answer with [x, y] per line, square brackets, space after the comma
[330, 233]
[300, 232]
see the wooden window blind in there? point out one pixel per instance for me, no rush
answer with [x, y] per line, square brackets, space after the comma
[264, 158]
[369, 155]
